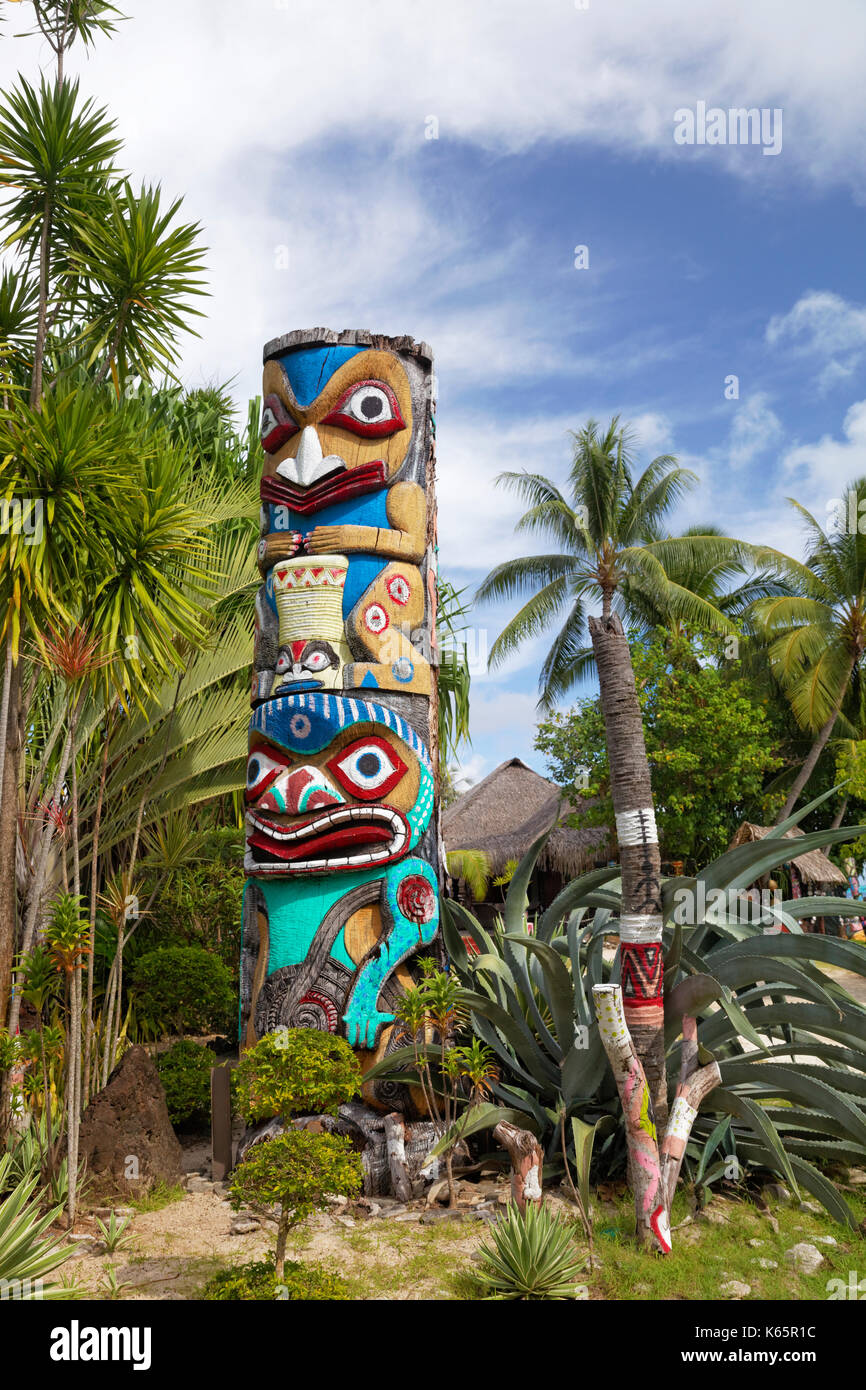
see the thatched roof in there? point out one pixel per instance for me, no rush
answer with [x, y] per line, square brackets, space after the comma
[510, 809]
[813, 866]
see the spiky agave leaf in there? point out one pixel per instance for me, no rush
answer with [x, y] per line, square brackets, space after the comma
[532, 1256]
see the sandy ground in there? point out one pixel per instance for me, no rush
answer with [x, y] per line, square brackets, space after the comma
[173, 1251]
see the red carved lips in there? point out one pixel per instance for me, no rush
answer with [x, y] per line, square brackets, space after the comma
[348, 837]
[336, 487]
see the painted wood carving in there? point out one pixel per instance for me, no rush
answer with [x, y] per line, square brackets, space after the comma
[342, 857]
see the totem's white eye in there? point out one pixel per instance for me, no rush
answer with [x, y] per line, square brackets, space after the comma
[316, 661]
[368, 768]
[277, 425]
[284, 662]
[368, 408]
[370, 405]
[262, 769]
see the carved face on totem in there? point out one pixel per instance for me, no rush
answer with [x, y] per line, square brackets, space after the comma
[330, 412]
[333, 785]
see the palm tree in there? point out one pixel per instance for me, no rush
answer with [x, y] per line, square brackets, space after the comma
[730, 584]
[816, 637]
[607, 530]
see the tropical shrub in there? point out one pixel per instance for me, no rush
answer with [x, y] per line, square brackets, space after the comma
[258, 1281]
[184, 1071]
[531, 1256]
[790, 1041]
[297, 1171]
[296, 1071]
[184, 989]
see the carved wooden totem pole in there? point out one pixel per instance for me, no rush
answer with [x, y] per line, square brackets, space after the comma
[342, 858]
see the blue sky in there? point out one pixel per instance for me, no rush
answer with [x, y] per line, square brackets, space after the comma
[296, 133]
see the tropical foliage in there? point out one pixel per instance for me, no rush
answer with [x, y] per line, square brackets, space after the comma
[788, 1038]
[711, 745]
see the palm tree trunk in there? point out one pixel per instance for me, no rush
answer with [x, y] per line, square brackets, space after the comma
[840, 815]
[10, 746]
[42, 315]
[4, 704]
[73, 1093]
[94, 879]
[640, 862]
[815, 751]
[34, 905]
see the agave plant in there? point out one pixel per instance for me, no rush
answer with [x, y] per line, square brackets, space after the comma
[25, 1256]
[532, 1256]
[790, 1041]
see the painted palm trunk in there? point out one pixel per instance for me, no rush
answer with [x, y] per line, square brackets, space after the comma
[342, 838]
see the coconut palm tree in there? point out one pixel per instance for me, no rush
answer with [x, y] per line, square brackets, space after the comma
[816, 636]
[606, 526]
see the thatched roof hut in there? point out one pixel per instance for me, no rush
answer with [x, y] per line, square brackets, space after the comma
[814, 868]
[509, 810]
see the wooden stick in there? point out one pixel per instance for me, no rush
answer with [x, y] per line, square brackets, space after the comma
[651, 1211]
[526, 1157]
[395, 1143]
[694, 1085]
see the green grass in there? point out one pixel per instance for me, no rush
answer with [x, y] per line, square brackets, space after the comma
[162, 1194]
[705, 1255]
[379, 1258]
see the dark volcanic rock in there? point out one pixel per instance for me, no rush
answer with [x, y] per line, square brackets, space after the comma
[126, 1136]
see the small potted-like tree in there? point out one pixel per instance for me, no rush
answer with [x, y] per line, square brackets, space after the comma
[287, 1073]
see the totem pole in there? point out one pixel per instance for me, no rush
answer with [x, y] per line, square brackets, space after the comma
[342, 858]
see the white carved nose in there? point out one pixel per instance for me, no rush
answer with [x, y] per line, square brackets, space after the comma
[309, 463]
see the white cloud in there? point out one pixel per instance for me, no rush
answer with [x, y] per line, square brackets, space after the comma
[826, 327]
[754, 429]
[820, 471]
[199, 81]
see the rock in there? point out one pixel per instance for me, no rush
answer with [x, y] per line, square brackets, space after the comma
[337, 1199]
[856, 1175]
[437, 1192]
[810, 1207]
[344, 1221]
[772, 1223]
[244, 1227]
[126, 1137]
[429, 1218]
[689, 1235]
[776, 1192]
[732, 1288]
[199, 1185]
[766, 1264]
[825, 1240]
[714, 1216]
[124, 1211]
[408, 1215]
[754, 1243]
[804, 1258]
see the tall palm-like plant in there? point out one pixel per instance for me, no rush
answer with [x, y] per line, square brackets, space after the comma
[817, 636]
[607, 528]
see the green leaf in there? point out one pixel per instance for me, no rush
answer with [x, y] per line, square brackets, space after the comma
[752, 1115]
